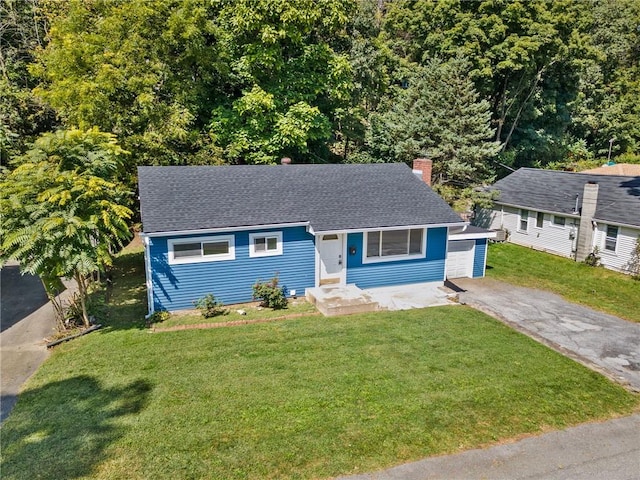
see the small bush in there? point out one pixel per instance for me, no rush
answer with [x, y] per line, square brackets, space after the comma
[633, 267]
[159, 316]
[593, 259]
[209, 306]
[270, 294]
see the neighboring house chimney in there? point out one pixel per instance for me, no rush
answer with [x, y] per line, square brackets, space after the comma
[422, 167]
[585, 232]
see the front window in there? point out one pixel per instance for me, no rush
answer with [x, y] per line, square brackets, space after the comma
[265, 244]
[611, 240]
[559, 221]
[390, 244]
[524, 220]
[540, 220]
[203, 249]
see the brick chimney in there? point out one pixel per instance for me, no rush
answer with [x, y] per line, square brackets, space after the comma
[585, 232]
[422, 168]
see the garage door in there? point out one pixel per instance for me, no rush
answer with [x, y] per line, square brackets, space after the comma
[460, 259]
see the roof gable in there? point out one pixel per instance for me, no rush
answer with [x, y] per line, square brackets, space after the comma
[329, 197]
[556, 191]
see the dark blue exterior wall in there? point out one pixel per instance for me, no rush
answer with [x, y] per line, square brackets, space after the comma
[478, 258]
[176, 287]
[370, 275]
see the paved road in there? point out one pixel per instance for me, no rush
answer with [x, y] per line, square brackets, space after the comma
[607, 451]
[26, 318]
[603, 342]
[20, 295]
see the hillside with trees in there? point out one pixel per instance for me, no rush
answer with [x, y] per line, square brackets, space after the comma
[475, 85]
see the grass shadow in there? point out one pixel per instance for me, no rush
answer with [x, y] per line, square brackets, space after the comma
[62, 429]
[122, 303]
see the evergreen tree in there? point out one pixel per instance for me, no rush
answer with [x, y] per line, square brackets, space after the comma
[439, 116]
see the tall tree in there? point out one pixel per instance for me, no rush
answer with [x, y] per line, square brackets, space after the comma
[191, 81]
[23, 30]
[441, 116]
[61, 212]
[522, 55]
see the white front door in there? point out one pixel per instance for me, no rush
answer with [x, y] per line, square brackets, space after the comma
[460, 258]
[331, 261]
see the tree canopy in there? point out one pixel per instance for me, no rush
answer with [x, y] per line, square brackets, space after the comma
[249, 81]
[62, 212]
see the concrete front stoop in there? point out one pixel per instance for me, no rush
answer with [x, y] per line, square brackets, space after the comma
[346, 299]
[334, 300]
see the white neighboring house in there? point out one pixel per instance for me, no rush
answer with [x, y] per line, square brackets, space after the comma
[569, 214]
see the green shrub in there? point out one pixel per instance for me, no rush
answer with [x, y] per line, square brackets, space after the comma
[159, 316]
[270, 294]
[593, 259]
[209, 306]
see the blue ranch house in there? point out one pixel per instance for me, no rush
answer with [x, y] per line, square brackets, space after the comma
[219, 229]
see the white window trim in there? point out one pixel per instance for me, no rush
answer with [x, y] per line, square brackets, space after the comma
[393, 258]
[555, 225]
[536, 224]
[519, 229]
[203, 258]
[604, 240]
[266, 253]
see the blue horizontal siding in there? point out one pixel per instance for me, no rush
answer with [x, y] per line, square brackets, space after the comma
[402, 272]
[478, 258]
[176, 287]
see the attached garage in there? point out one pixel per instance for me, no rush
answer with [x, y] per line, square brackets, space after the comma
[467, 252]
[460, 258]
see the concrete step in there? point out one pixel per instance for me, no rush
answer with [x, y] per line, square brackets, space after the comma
[341, 300]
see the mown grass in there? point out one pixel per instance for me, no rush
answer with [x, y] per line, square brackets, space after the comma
[252, 312]
[301, 398]
[595, 287]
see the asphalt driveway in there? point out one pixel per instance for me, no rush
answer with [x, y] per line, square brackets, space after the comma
[26, 317]
[600, 341]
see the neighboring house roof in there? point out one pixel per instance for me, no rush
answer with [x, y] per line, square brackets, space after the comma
[624, 169]
[555, 191]
[329, 197]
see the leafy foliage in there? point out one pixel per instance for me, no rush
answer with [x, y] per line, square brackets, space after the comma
[62, 213]
[270, 293]
[439, 115]
[209, 306]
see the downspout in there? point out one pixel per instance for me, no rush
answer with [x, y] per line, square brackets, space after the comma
[148, 275]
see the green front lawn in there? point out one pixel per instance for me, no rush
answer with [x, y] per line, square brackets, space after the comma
[310, 397]
[599, 288]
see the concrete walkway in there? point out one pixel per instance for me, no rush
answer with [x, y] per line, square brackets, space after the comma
[609, 450]
[602, 342]
[27, 318]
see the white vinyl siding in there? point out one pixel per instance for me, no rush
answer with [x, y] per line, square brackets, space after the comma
[548, 238]
[625, 243]
[265, 244]
[201, 249]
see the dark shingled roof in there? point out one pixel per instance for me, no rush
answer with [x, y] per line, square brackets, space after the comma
[555, 191]
[329, 197]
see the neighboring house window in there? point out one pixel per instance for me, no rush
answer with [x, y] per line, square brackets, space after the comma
[540, 219]
[203, 249]
[391, 244]
[524, 220]
[558, 221]
[611, 240]
[265, 244]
